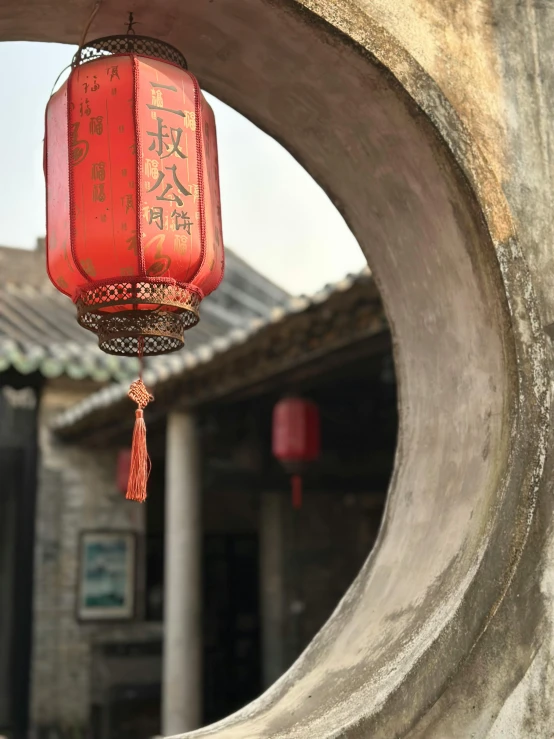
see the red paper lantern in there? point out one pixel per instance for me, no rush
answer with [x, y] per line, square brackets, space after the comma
[133, 209]
[296, 439]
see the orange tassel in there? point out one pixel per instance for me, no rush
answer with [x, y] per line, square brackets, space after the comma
[140, 461]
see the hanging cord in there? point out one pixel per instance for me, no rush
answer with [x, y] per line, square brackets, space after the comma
[140, 461]
[58, 79]
[141, 356]
[86, 29]
[77, 56]
[296, 484]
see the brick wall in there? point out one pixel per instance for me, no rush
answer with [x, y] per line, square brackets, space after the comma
[323, 548]
[75, 491]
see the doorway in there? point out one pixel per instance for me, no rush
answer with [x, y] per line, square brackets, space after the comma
[17, 502]
[232, 655]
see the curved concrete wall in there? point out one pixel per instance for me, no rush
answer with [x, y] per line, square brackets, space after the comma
[410, 117]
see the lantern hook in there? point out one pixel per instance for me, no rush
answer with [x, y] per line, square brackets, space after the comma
[131, 23]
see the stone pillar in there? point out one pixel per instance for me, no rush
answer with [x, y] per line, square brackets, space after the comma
[182, 678]
[272, 587]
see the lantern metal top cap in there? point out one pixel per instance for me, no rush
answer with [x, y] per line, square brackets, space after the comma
[128, 44]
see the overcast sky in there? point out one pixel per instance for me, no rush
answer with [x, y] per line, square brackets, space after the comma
[274, 215]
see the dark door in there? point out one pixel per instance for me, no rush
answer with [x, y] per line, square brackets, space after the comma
[17, 527]
[134, 712]
[232, 674]
[7, 589]
[17, 495]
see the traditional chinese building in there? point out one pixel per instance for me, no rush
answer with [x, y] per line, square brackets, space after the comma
[47, 362]
[232, 583]
[229, 583]
[429, 125]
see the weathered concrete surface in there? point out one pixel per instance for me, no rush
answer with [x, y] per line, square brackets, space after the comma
[428, 123]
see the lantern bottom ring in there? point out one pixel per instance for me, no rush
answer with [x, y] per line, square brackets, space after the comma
[137, 316]
[135, 333]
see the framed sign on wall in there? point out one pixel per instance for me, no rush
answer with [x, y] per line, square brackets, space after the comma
[107, 576]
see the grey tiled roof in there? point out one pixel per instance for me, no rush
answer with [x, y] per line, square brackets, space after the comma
[177, 365]
[39, 331]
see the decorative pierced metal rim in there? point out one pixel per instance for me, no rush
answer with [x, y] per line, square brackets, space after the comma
[128, 44]
[97, 297]
[166, 311]
[138, 333]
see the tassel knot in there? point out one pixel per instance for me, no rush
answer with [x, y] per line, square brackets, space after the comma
[140, 461]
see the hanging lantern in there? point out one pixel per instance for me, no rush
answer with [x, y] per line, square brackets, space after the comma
[296, 439]
[133, 210]
[123, 470]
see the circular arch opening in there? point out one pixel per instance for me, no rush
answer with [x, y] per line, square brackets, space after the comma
[358, 134]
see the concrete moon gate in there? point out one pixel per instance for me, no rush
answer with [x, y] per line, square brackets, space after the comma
[399, 114]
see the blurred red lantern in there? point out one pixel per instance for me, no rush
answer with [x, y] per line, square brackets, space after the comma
[296, 439]
[123, 470]
[133, 210]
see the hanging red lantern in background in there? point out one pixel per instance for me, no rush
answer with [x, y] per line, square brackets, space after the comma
[123, 470]
[296, 439]
[133, 209]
